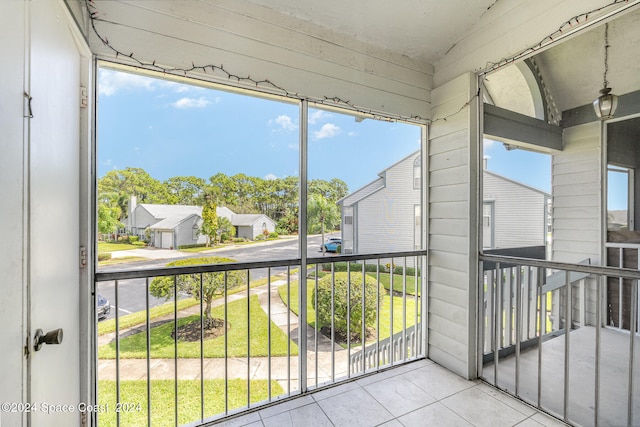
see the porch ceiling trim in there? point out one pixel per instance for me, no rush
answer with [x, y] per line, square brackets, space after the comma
[511, 127]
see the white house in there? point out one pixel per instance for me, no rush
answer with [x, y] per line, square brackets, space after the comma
[385, 215]
[172, 226]
[522, 72]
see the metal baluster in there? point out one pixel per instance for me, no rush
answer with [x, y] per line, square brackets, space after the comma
[498, 323]
[567, 332]
[542, 327]
[403, 353]
[248, 338]
[363, 340]
[201, 353]
[289, 330]
[315, 307]
[518, 324]
[632, 339]
[117, 352]
[348, 320]
[147, 322]
[596, 410]
[175, 349]
[391, 348]
[226, 346]
[269, 332]
[333, 313]
[378, 314]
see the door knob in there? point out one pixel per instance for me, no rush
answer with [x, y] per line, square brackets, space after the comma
[51, 337]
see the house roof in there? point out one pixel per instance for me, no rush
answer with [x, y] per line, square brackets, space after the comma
[240, 220]
[171, 222]
[362, 192]
[165, 211]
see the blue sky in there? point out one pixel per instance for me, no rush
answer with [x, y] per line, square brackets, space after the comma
[171, 129]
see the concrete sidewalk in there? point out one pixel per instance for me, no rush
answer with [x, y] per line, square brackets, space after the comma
[283, 369]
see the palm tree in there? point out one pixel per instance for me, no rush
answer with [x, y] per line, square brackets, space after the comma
[321, 215]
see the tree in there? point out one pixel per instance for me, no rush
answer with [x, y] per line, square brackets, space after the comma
[185, 190]
[133, 182]
[210, 224]
[226, 230]
[213, 284]
[321, 215]
[110, 213]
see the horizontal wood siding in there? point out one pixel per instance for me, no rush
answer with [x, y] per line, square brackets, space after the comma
[577, 208]
[576, 195]
[257, 41]
[450, 184]
[386, 218]
[519, 215]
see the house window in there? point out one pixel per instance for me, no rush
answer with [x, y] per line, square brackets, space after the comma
[194, 231]
[348, 220]
[619, 198]
[417, 173]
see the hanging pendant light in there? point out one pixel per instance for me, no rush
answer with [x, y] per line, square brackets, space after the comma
[606, 104]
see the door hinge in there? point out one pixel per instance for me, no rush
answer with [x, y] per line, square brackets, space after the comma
[28, 112]
[83, 256]
[84, 99]
[27, 347]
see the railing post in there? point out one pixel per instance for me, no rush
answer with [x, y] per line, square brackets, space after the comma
[302, 233]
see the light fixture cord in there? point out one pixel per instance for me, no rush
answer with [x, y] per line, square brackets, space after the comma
[606, 54]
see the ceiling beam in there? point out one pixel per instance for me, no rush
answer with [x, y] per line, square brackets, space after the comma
[520, 130]
[628, 104]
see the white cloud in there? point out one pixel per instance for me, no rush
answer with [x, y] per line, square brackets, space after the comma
[328, 130]
[110, 82]
[488, 143]
[191, 103]
[284, 122]
[352, 133]
[317, 115]
[270, 177]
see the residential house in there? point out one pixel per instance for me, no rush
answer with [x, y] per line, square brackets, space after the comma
[522, 72]
[385, 215]
[172, 226]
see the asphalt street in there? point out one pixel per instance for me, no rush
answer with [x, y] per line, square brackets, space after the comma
[132, 295]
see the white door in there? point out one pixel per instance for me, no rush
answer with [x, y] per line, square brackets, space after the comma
[167, 240]
[45, 175]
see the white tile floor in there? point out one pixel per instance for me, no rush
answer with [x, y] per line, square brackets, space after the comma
[418, 394]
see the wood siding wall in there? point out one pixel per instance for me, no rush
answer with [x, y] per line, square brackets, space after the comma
[576, 195]
[452, 238]
[254, 40]
[577, 211]
[519, 214]
[388, 215]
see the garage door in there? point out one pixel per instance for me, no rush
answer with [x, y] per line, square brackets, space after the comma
[167, 240]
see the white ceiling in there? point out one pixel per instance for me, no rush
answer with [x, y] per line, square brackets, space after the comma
[420, 29]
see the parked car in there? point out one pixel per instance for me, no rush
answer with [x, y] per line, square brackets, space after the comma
[104, 307]
[332, 244]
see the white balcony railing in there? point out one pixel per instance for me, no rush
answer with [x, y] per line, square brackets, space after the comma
[544, 338]
[168, 368]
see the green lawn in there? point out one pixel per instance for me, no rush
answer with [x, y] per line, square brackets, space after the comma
[162, 345]
[112, 247]
[385, 280]
[139, 317]
[189, 400]
[385, 308]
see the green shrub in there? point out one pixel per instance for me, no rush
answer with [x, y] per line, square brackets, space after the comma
[105, 256]
[225, 237]
[239, 240]
[369, 268]
[133, 239]
[138, 243]
[123, 239]
[346, 308]
[194, 245]
[259, 237]
[273, 235]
